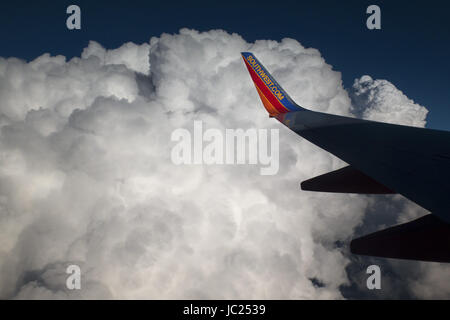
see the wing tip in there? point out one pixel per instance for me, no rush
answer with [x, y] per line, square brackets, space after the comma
[424, 239]
[273, 96]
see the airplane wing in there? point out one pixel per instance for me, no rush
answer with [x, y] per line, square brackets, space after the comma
[383, 158]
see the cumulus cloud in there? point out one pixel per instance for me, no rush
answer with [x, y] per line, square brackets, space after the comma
[380, 100]
[86, 175]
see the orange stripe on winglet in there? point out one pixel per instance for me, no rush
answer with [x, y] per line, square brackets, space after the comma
[269, 107]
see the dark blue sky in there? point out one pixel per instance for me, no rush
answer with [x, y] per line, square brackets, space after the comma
[412, 50]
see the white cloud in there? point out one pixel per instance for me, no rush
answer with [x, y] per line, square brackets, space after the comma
[380, 100]
[86, 175]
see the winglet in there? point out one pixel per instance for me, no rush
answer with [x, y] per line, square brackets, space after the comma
[275, 99]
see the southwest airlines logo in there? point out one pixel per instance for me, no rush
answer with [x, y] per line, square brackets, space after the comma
[264, 77]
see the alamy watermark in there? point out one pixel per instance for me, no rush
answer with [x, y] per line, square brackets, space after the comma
[374, 280]
[73, 282]
[373, 22]
[227, 147]
[73, 21]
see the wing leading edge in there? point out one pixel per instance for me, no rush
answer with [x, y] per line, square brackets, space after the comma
[384, 158]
